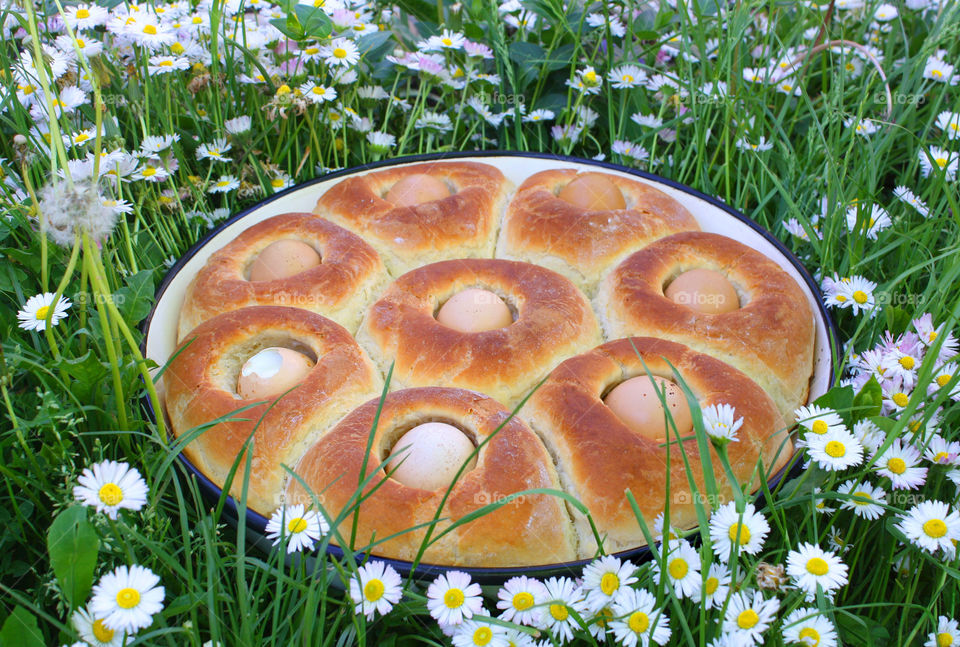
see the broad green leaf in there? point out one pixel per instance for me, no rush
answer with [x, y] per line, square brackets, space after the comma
[135, 299]
[73, 546]
[314, 21]
[20, 630]
[840, 399]
[289, 28]
[868, 401]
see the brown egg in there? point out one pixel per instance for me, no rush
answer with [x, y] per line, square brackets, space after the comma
[704, 291]
[475, 310]
[593, 192]
[417, 189]
[271, 372]
[431, 456]
[637, 403]
[283, 258]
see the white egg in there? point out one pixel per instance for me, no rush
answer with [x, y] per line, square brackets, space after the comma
[704, 291]
[283, 258]
[431, 455]
[271, 372]
[475, 310]
[637, 403]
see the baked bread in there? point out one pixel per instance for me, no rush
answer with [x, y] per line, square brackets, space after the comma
[348, 278]
[553, 321]
[201, 387]
[531, 529]
[770, 337]
[598, 457]
[582, 244]
[461, 225]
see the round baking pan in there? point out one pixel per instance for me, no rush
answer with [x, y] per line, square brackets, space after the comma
[160, 327]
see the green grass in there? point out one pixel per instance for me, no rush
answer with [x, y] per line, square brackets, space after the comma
[72, 395]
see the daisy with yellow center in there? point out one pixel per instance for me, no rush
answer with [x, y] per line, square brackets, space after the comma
[93, 632]
[715, 587]
[682, 568]
[375, 588]
[110, 486]
[34, 314]
[453, 598]
[638, 620]
[127, 599]
[518, 600]
[297, 526]
[807, 627]
[931, 525]
[900, 463]
[835, 450]
[947, 634]
[473, 633]
[564, 604]
[605, 578]
[810, 566]
[865, 500]
[748, 615]
[730, 529]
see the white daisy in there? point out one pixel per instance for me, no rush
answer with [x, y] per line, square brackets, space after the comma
[900, 463]
[835, 450]
[946, 635]
[937, 69]
[949, 123]
[762, 144]
[817, 419]
[376, 587]
[127, 599]
[93, 632]
[538, 115]
[872, 225]
[341, 51]
[940, 160]
[807, 627]
[638, 620]
[838, 542]
[748, 616]
[854, 292]
[907, 196]
[728, 527]
[317, 93]
[719, 422]
[162, 64]
[869, 434]
[716, 587]
[380, 141]
[626, 77]
[604, 579]
[111, 486]
[564, 601]
[150, 171]
[940, 451]
[821, 504]
[452, 598]
[300, 527]
[33, 315]
[810, 566]
[476, 633]
[152, 145]
[224, 184]
[215, 150]
[931, 525]
[446, 40]
[518, 599]
[85, 16]
[865, 500]
[682, 567]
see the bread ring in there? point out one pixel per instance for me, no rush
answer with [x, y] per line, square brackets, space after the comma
[348, 277]
[531, 529]
[553, 321]
[463, 225]
[541, 228]
[201, 381]
[770, 337]
[599, 458]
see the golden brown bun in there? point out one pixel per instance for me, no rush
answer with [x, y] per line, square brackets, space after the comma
[770, 337]
[463, 225]
[201, 385]
[582, 245]
[348, 278]
[532, 529]
[553, 321]
[599, 458]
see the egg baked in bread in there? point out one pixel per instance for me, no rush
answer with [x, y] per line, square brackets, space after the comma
[599, 456]
[531, 529]
[592, 277]
[739, 306]
[420, 213]
[294, 259]
[581, 224]
[551, 320]
[239, 353]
